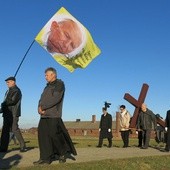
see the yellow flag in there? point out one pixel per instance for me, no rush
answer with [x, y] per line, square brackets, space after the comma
[68, 41]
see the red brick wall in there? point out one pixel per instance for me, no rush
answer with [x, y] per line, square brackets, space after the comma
[95, 133]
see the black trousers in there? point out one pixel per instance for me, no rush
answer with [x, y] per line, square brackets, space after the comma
[167, 147]
[146, 137]
[7, 124]
[51, 138]
[125, 138]
[10, 123]
[101, 141]
[103, 135]
[140, 138]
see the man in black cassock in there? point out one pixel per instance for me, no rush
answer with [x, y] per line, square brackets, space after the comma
[105, 128]
[53, 137]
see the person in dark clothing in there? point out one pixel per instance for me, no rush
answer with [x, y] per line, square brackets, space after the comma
[140, 138]
[53, 137]
[11, 109]
[146, 121]
[105, 128]
[167, 128]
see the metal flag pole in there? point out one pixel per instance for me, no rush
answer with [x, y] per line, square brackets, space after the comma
[24, 58]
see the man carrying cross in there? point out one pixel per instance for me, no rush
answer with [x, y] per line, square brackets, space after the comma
[145, 121]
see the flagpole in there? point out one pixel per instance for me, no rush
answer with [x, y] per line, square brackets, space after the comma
[24, 58]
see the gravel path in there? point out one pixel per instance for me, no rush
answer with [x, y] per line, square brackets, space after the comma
[26, 159]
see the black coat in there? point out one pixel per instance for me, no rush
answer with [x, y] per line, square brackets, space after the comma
[167, 120]
[12, 102]
[146, 120]
[105, 124]
[52, 99]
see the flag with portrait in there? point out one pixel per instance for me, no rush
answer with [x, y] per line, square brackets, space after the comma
[68, 41]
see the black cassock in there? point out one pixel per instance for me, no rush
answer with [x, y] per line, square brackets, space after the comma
[64, 141]
[54, 138]
[105, 124]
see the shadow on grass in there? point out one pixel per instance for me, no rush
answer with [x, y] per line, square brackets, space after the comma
[158, 147]
[9, 162]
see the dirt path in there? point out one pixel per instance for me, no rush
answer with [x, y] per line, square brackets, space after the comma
[84, 155]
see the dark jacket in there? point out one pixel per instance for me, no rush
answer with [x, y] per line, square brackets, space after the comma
[167, 120]
[146, 120]
[51, 100]
[12, 102]
[105, 124]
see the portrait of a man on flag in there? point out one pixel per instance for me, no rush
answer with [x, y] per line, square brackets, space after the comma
[68, 41]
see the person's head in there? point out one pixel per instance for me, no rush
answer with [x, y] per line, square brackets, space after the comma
[144, 107]
[50, 74]
[104, 110]
[122, 108]
[159, 116]
[64, 37]
[10, 81]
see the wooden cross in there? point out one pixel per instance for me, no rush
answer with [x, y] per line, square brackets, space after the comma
[137, 104]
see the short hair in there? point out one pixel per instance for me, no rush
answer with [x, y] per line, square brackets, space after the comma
[122, 106]
[51, 69]
[103, 108]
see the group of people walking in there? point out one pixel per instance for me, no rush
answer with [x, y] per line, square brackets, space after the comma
[53, 137]
[105, 126]
[146, 122]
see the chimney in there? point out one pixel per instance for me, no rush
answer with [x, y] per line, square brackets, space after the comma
[93, 118]
[77, 120]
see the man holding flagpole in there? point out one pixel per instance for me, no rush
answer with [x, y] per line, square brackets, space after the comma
[11, 109]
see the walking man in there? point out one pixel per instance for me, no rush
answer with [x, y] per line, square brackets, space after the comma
[53, 137]
[11, 109]
[105, 128]
[145, 121]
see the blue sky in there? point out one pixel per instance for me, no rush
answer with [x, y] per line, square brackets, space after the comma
[134, 38]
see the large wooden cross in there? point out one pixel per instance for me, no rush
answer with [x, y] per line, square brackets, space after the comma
[137, 104]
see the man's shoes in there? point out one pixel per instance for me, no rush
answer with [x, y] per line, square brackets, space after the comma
[144, 147]
[42, 162]
[62, 159]
[98, 146]
[164, 150]
[23, 149]
[53, 158]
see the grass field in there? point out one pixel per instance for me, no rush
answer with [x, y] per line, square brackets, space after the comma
[143, 163]
[80, 142]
